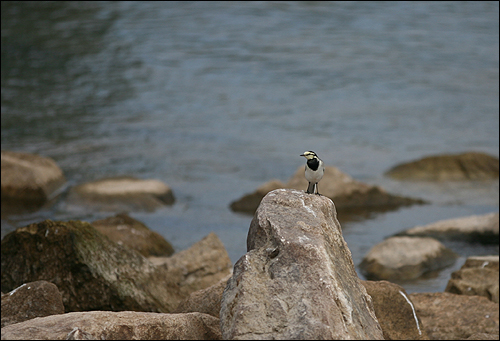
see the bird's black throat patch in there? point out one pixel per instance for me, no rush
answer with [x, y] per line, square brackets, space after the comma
[313, 164]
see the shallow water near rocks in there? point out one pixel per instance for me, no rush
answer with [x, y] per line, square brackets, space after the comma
[216, 98]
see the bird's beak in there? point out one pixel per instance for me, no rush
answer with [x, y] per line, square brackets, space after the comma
[302, 155]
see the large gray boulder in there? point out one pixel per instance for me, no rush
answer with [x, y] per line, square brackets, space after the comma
[125, 325]
[406, 258]
[394, 310]
[28, 181]
[465, 166]
[297, 280]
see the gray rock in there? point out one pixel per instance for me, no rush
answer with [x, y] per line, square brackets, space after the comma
[395, 311]
[28, 181]
[203, 264]
[350, 195]
[448, 316]
[126, 325]
[30, 300]
[465, 166]
[478, 276]
[405, 258]
[475, 228]
[207, 301]
[297, 280]
[90, 271]
[123, 193]
[125, 230]
[94, 273]
[393, 308]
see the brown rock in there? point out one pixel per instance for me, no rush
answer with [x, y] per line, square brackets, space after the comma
[393, 308]
[127, 231]
[483, 336]
[123, 193]
[405, 258]
[250, 202]
[395, 311]
[30, 300]
[475, 228]
[478, 276]
[349, 195]
[126, 325]
[465, 166]
[28, 181]
[485, 262]
[205, 301]
[202, 265]
[90, 271]
[448, 316]
[297, 280]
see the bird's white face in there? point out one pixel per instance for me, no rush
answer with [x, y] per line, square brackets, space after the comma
[309, 155]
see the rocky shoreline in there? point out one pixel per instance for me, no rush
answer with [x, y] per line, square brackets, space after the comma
[116, 279]
[296, 281]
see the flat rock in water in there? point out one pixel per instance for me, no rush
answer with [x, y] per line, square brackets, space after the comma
[28, 181]
[349, 195]
[448, 167]
[123, 193]
[406, 258]
[249, 202]
[476, 228]
[297, 280]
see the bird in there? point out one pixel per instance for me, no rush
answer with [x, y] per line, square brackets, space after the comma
[315, 169]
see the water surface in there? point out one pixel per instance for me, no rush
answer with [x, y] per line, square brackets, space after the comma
[215, 98]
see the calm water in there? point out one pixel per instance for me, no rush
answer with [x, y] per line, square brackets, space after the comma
[216, 98]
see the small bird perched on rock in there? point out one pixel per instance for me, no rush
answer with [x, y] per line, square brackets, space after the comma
[314, 170]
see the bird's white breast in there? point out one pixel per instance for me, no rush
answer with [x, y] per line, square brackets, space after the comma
[314, 176]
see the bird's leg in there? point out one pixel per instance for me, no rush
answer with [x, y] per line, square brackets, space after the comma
[310, 188]
[317, 189]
